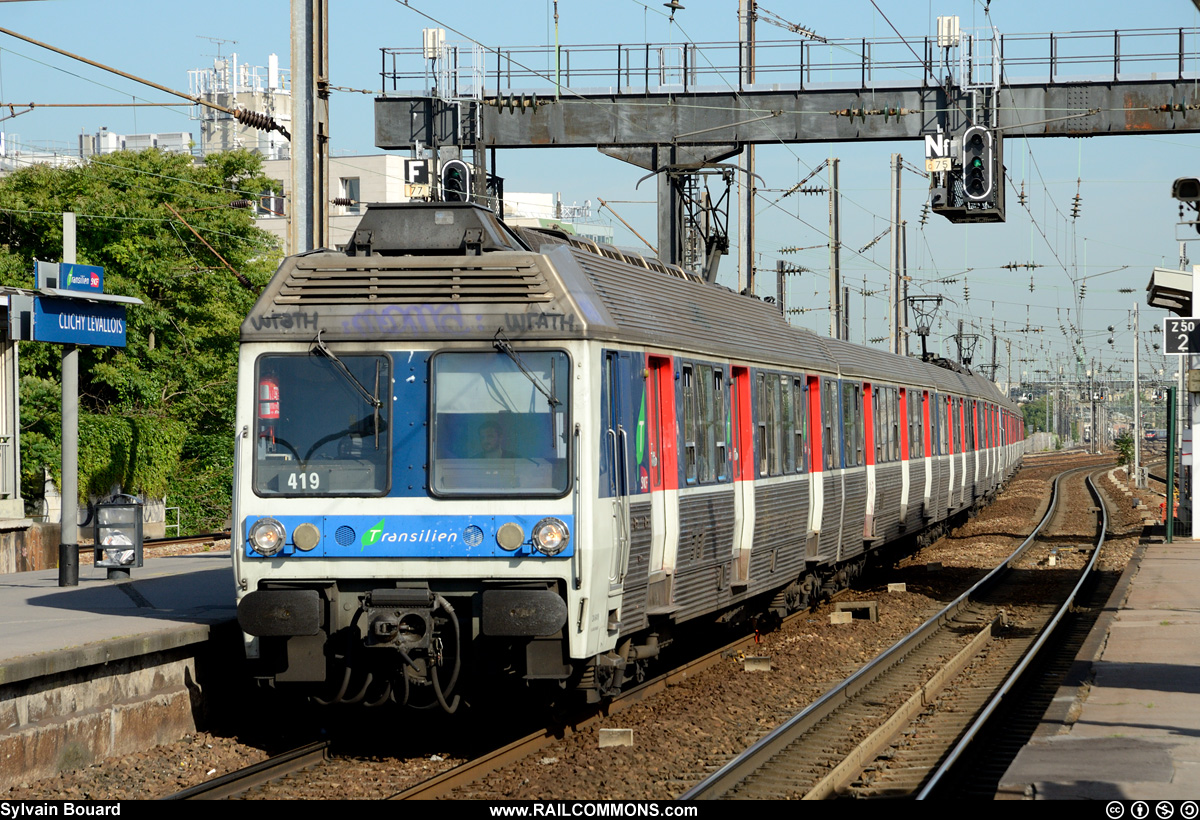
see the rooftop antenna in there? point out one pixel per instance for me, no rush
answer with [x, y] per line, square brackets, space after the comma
[674, 6]
[219, 41]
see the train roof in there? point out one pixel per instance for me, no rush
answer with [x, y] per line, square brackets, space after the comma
[434, 272]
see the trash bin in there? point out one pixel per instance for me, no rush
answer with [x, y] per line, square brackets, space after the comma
[118, 536]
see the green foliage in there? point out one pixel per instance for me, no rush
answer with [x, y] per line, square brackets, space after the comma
[1035, 416]
[1124, 445]
[153, 412]
[132, 452]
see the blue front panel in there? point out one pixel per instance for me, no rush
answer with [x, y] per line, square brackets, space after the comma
[411, 536]
[410, 424]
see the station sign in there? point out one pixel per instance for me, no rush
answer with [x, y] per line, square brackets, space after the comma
[1181, 335]
[66, 321]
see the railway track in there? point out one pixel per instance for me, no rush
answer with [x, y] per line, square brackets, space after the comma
[238, 783]
[152, 544]
[311, 755]
[968, 626]
[896, 726]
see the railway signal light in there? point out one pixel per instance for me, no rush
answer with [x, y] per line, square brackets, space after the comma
[978, 164]
[456, 181]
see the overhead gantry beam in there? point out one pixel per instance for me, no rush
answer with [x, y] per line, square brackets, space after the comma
[766, 117]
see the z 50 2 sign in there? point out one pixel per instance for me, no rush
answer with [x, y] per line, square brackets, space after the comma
[1181, 336]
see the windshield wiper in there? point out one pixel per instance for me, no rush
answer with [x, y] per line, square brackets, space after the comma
[372, 399]
[501, 343]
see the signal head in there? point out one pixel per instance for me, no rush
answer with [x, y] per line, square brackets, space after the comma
[1186, 189]
[456, 181]
[978, 165]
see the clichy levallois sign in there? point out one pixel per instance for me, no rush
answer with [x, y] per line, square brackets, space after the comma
[69, 306]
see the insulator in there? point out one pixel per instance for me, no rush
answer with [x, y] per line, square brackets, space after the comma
[254, 119]
[342, 200]
[241, 203]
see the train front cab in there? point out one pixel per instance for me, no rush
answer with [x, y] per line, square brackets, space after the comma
[405, 513]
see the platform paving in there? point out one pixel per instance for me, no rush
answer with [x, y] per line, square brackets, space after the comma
[1134, 732]
[171, 601]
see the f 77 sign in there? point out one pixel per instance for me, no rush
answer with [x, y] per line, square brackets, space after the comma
[1181, 336]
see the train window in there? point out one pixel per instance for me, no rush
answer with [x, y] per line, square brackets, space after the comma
[831, 445]
[800, 420]
[894, 421]
[852, 426]
[760, 425]
[318, 430]
[886, 412]
[499, 426]
[706, 454]
[689, 423]
[876, 416]
[916, 427]
[720, 428]
[707, 434]
[787, 442]
[943, 415]
[772, 420]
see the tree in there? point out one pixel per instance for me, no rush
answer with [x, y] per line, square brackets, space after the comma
[172, 386]
[1124, 445]
[1035, 416]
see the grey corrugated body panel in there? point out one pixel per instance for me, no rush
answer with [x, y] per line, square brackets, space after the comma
[780, 525]
[916, 493]
[827, 544]
[888, 487]
[633, 597]
[698, 564]
[855, 512]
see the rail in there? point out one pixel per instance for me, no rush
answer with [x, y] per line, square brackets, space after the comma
[643, 68]
[743, 767]
[238, 783]
[993, 704]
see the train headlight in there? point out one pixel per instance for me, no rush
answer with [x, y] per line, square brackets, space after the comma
[550, 536]
[267, 537]
[510, 536]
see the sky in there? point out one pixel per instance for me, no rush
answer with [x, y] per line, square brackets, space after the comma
[1125, 227]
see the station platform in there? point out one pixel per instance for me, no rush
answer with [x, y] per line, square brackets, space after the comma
[110, 668]
[169, 601]
[1131, 730]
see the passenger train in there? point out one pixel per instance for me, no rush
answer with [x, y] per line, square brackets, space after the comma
[468, 452]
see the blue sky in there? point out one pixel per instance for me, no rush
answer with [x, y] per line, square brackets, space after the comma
[1127, 221]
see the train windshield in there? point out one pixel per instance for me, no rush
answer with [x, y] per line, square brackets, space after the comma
[501, 424]
[319, 429]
